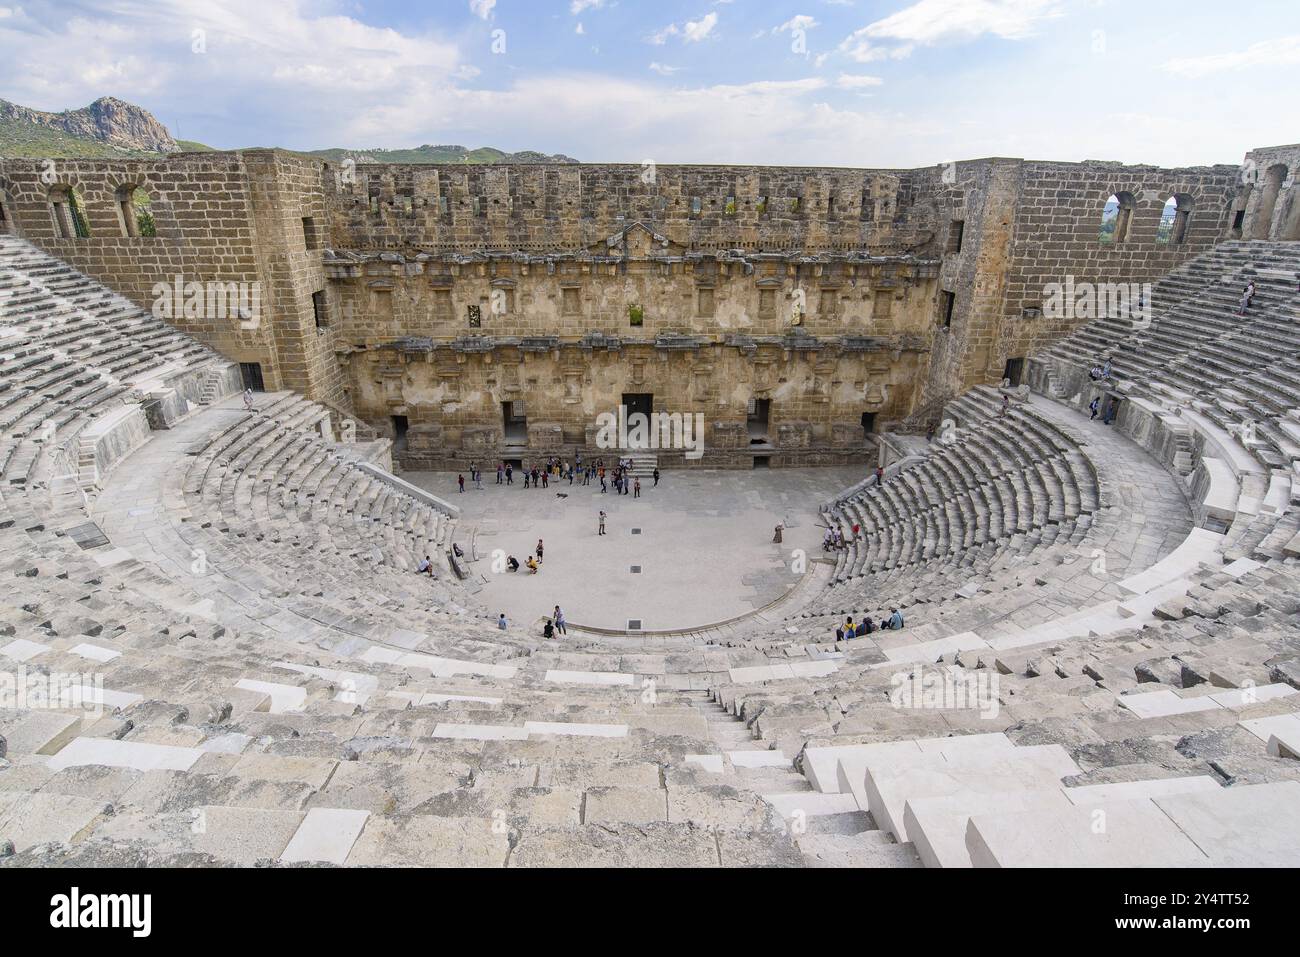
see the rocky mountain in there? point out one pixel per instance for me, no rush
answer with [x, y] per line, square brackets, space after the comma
[110, 122]
[111, 127]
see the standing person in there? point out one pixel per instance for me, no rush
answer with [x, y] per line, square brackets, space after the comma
[1111, 411]
[546, 479]
[1006, 405]
[1094, 407]
[880, 475]
[510, 474]
[636, 488]
[460, 480]
[539, 549]
[656, 476]
[248, 400]
[478, 478]
[500, 473]
[603, 487]
[776, 536]
[602, 519]
[527, 475]
[560, 624]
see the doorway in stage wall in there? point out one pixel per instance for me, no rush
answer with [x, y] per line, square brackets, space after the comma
[1014, 371]
[515, 423]
[400, 425]
[868, 425]
[643, 402]
[251, 374]
[760, 412]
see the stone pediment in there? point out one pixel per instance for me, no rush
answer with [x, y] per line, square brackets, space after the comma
[638, 241]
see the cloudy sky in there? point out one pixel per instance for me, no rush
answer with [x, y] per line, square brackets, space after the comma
[825, 82]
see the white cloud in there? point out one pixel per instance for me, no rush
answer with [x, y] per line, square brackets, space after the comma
[664, 69]
[482, 8]
[660, 38]
[934, 21]
[577, 6]
[579, 29]
[1284, 51]
[852, 81]
[692, 31]
[697, 30]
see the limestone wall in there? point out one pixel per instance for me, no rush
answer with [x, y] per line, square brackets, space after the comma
[818, 392]
[234, 219]
[1055, 233]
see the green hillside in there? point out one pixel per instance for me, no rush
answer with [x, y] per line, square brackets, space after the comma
[25, 141]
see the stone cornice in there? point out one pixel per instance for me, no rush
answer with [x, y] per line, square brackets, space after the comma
[663, 342]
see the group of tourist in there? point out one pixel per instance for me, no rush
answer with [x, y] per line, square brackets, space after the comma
[849, 630]
[834, 541]
[533, 562]
[554, 625]
[556, 469]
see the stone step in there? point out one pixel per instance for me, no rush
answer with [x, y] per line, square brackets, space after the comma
[854, 850]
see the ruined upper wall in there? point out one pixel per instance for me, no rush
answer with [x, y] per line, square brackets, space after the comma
[1267, 202]
[560, 209]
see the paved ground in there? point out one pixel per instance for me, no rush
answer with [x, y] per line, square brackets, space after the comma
[704, 548]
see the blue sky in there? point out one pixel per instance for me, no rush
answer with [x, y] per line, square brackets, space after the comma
[822, 82]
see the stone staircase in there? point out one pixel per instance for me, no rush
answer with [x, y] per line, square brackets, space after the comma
[643, 464]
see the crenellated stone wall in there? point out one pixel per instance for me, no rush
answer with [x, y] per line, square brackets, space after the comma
[422, 298]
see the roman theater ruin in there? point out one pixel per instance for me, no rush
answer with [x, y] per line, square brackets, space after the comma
[1047, 412]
